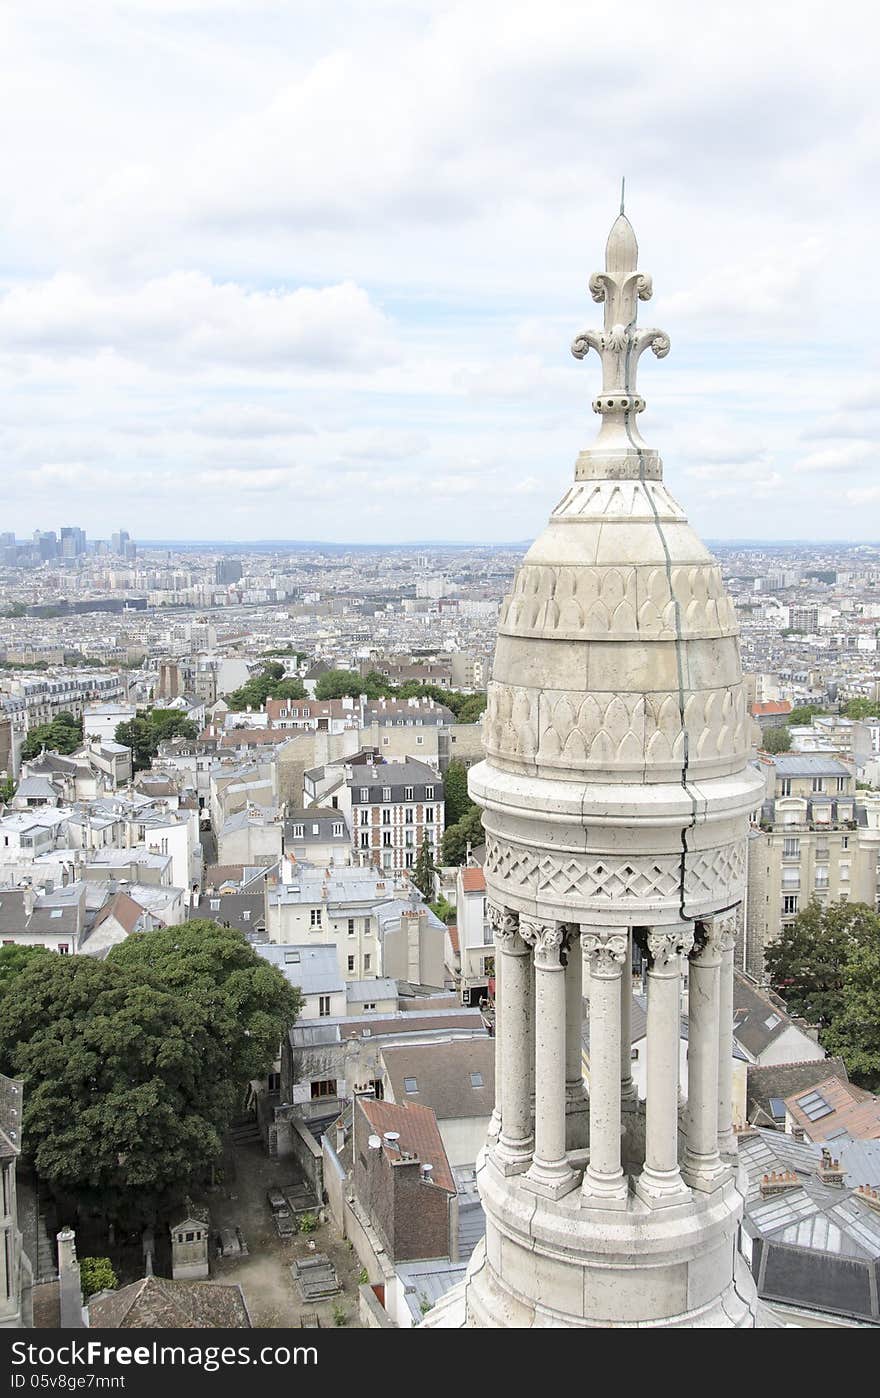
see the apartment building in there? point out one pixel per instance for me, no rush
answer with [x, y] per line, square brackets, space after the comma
[394, 806]
[817, 838]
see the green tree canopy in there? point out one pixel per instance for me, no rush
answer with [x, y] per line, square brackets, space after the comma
[134, 1065]
[855, 1030]
[333, 684]
[96, 1274]
[457, 802]
[468, 830]
[268, 684]
[13, 960]
[423, 871]
[862, 708]
[776, 740]
[146, 731]
[805, 713]
[64, 734]
[809, 962]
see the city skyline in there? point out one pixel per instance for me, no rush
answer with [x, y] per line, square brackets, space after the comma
[333, 276]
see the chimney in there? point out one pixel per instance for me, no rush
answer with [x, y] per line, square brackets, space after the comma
[829, 1171]
[28, 898]
[69, 1284]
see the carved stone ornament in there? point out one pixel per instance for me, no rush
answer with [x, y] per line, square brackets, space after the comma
[606, 951]
[727, 928]
[504, 924]
[666, 947]
[620, 343]
[549, 940]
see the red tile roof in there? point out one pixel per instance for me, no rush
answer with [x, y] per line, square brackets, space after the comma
[473, 880]
[771, 706]
[419, 1133]
[453, 937]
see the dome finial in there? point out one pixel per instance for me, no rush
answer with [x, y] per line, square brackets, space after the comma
[620, 343]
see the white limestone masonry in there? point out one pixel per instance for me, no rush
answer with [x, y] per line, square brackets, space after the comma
[616, 799]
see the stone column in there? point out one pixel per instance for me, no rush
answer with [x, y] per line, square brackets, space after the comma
[605, 1184]
[629, 1097]
[550, 1172]
[495, 916]
[726, 1136]
[660, 1181]
[703, 1169]
[513, 1151]
[577, 1121]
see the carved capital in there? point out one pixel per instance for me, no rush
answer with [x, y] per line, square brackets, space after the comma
[605, 950]
[665, 948]
[727, 931]
[504, 924]
[549, 940]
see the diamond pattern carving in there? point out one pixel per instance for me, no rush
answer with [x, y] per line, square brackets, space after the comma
[711, 873]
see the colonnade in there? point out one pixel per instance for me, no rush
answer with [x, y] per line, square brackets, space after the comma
[539, 1123]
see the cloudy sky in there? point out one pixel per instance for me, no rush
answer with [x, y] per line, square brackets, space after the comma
[311, 268]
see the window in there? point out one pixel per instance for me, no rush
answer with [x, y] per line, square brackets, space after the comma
[791, 847]
[408, 815]
[369, 1005]
[246, 915]
[841, 783]
[351, 963]
[324, 1006]
[215, 905]
[429, 815]
[316, 829]
[789, 903]
[351, 927]
[365, 839]
[298, 832]
[409, 839]
[844, 842]
[386, 837]
[386, 793]
[315, 916]
[386, 861]
[818, 783]
[338, 829]
[64, 949]
[785, 786]
[365, 794]
[327, 1088]
[56, 912]
[476, 1079]
[408, 793]
[410, 1085]
[367, 962]
[385, 742]
[386, 817]
[291, 958]
[420, 740]
[844, 872]
[410, 859]
[365, 817]
[429, 793]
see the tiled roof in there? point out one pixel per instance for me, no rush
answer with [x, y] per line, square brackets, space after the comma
[771, 706]
[443, 1076]
[155, 1303]
[419, 1134]
[833, 1107]
[473, 880]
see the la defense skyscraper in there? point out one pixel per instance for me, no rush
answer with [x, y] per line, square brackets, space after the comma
[616, 795]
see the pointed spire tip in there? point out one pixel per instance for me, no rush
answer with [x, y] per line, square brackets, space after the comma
[622, 191]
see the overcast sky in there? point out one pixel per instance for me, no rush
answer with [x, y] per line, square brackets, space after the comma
[311, 269]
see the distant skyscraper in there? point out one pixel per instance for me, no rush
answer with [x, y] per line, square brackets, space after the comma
[73, 541]
[119, 540]
[226, 571]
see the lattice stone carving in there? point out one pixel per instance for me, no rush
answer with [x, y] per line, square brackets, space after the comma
[715, 873]
[565, 876]
[513, 864]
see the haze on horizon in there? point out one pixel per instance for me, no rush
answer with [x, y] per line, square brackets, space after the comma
[315, 274]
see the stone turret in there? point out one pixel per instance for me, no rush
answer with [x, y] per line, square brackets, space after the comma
[616, 798]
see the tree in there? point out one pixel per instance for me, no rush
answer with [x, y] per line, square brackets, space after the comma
[270, 683]
[855, 1032]
[457, 802]
[804, 713]
[336, 683]
[423, 871]
[13, 960]
[64, 735]
[776, 740]
[135, 1065]
[249, 1002]
[469, 830]
[146, 731]
[862, 708]
[809, 962]
[7, 789]
[96, 1274]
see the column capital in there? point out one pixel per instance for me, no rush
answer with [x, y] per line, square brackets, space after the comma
[605, 949]
[504, 924]
[666, 946]
[549, 940]
[706, 950]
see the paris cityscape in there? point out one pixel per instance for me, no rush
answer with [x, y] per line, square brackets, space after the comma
[439, 777]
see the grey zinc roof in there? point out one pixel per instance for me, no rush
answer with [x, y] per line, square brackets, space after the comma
[382, 988]
[809, 765]
[315, 973]
[443, 1076]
